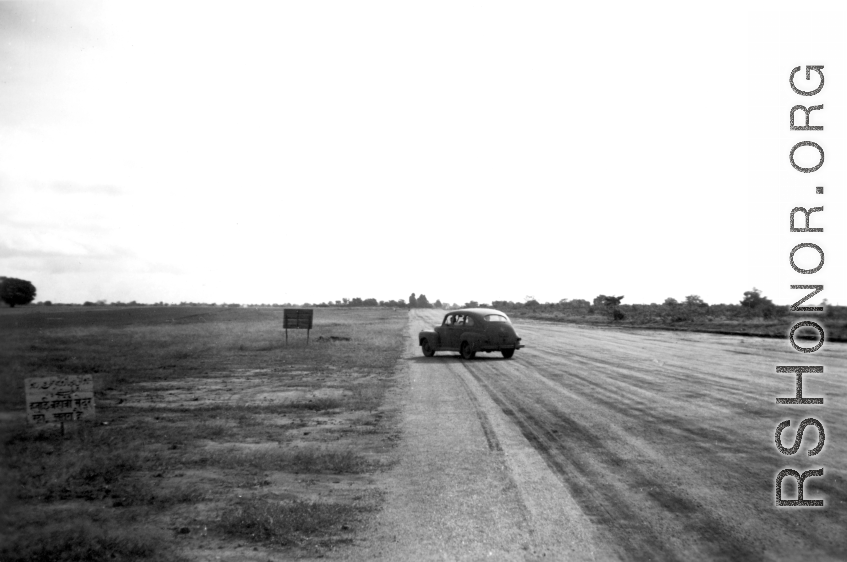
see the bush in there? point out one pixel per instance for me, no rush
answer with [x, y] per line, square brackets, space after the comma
[16, 291]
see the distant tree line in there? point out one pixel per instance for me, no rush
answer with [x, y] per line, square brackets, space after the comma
[423, 302]
[414, 302]
[753, 305]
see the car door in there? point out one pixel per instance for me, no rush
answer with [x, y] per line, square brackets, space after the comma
[470, 323]
[454, 330]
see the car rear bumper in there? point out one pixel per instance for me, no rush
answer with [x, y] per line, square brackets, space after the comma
[500, 347]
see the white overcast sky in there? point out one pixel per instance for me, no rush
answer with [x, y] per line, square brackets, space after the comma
[262, 152]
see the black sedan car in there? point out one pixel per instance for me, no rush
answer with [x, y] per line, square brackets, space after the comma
[471, 330]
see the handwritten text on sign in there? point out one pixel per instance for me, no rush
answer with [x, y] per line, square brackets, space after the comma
[60, 398]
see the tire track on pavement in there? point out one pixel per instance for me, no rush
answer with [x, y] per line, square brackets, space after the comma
[653, 517]
[644, 544]
[490, 435]
[668, 458]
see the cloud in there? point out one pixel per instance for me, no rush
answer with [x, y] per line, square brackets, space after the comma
[49, 264]
[72, 188]
[51, 247]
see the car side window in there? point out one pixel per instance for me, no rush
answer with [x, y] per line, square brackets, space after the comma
[460, 320]
[496, 318]
[468, 321]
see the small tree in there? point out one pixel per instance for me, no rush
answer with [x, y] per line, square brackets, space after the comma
[607, 301]
[413, 302]
[695, 301]
[757, 304]
[754, 299]
[438, 304]
[579, 303]
[16, 291]
[610, 306]
[423, 302]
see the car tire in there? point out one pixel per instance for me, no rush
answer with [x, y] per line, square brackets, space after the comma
[427, 350]
[466, 351]
[507, 353]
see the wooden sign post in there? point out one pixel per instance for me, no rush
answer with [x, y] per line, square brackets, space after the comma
[59, 399]
[297, 319]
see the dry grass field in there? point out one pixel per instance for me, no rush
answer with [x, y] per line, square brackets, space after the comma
[212, 438]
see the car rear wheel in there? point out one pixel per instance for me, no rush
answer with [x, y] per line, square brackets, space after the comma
[427, 349]
[467, 353]
[507, 353]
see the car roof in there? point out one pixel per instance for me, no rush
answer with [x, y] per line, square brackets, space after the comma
[476, 311]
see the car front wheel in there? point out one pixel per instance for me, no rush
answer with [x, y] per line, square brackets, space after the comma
[507, 353]
[467, 353]
[427, 349]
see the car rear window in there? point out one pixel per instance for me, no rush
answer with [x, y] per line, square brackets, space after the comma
[496, 318]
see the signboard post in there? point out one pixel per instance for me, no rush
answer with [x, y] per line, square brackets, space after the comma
[297, 319]
[59, 399]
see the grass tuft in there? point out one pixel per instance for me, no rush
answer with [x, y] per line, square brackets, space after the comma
[305, 460]
[51, 468]
[81, 540]
[318, 403]
[333, 462]
[283, 523]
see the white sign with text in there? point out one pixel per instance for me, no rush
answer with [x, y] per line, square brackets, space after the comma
[59, 398]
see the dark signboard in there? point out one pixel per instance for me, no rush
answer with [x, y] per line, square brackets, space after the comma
[298, 318]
